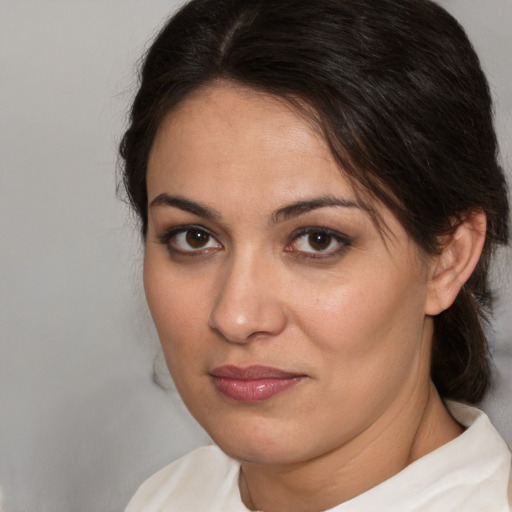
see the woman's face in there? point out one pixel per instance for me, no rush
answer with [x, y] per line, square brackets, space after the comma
[290, 324]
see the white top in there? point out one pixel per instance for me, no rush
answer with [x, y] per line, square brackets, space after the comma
[469, 474]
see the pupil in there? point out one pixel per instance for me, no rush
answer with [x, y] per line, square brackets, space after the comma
[196, 238]
[319, 241]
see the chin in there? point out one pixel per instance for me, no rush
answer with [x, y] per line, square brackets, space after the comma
[260, 442]
[259, 453]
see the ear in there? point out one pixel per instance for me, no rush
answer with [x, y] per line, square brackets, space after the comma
[453, 267]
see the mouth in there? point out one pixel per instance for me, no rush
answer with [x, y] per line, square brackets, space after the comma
[253, 383]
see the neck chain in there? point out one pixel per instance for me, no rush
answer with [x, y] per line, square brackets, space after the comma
[243, 482]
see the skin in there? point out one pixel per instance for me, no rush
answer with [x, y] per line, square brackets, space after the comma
[355, 319]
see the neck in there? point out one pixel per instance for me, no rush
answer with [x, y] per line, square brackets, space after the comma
[409, 430]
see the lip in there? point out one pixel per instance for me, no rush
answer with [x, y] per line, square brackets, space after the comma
[253, 383]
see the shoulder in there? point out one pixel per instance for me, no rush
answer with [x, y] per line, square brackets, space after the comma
[189, 483]
[470, 473]
[492, 468]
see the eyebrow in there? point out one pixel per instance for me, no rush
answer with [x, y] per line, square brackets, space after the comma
[286, 212]
[201, 210]
[301, 207]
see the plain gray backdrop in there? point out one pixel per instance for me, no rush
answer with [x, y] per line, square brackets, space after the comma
[82, 421]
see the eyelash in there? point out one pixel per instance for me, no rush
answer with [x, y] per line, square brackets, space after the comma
[344, 242]
[167, 237]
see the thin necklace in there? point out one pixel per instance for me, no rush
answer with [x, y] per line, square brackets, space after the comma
[243, 481]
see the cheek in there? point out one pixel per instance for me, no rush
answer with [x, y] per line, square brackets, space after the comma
[367, 341]
[178, 310]
[178, 307]
[370, 326]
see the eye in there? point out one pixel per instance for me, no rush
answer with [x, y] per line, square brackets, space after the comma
[318, 242]
[190, 240]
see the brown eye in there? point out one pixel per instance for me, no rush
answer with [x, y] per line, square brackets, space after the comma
[319, 241]
[196, 238]
[191, 240]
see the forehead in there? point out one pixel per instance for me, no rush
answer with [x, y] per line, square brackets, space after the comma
[233, 135]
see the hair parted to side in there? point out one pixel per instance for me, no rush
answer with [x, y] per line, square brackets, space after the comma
[398, 93]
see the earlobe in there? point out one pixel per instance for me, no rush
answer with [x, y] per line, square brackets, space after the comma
[453, 267]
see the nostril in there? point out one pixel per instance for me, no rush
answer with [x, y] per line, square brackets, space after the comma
[244, 320]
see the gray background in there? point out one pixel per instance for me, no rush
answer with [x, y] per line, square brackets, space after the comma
[82, 422]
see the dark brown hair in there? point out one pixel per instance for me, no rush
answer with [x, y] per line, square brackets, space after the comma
[400, 97]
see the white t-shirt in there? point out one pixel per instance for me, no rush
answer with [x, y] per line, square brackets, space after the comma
[472, 473]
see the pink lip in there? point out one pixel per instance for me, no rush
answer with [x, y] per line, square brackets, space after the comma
[254, 383]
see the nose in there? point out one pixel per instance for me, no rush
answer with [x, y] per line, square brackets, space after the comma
[247, 305]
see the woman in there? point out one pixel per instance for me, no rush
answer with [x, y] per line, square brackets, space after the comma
[320, 199]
